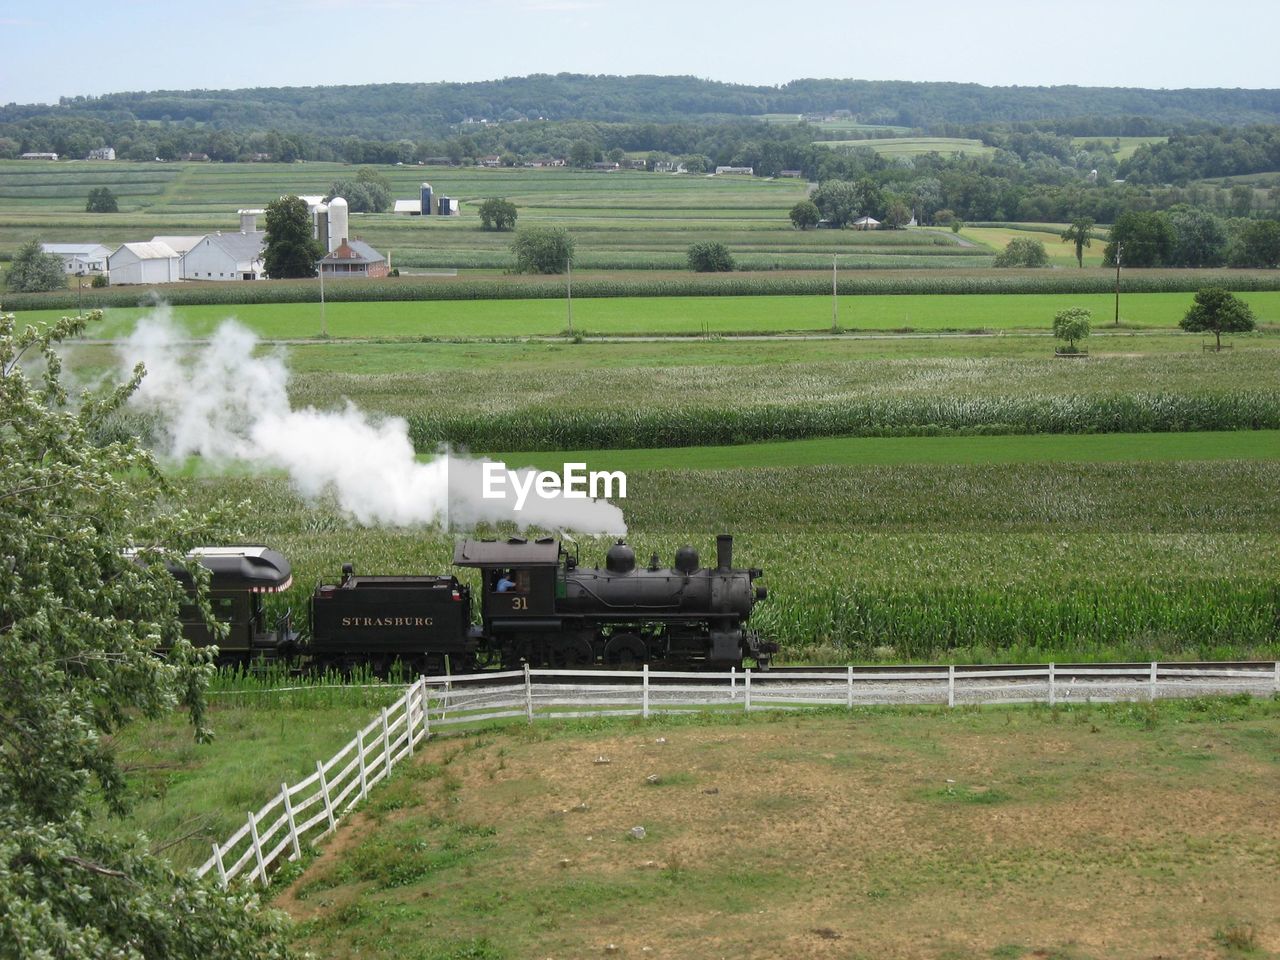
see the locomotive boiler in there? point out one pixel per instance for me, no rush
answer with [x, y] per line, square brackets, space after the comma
[540, 606]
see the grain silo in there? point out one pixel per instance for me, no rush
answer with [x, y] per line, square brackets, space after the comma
[320, 224]
[339, 232]
[446, 207]
[425, 194]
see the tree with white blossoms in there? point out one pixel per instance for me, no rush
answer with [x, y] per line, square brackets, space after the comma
[80, 621]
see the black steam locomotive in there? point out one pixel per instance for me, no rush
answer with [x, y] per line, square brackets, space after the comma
[537, 605]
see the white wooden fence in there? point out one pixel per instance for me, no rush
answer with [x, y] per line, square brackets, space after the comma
[311, 808]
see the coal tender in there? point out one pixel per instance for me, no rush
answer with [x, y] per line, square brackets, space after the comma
[539, 606]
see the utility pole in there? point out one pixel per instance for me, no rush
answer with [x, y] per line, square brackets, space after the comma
[1119, 247]
[568, 288]
[835, 302]
[324, 327]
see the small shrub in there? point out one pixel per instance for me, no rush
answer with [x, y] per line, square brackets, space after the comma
[710, 256]
[1023, 252]
[1072, 325]
[1241, 937]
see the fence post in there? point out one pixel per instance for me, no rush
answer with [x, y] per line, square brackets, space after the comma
[293, 826]
[848, 696]
[1053, 686]
[733, 681]
[1152, 691]
[1278, 676]
[951, 685]
[528, 694]
[222, 871]
[324, 792]
[644, 699]
[746, 689]
[386, 745]
[257, 850]
[426, 711]
[364, 783]
[409, 696]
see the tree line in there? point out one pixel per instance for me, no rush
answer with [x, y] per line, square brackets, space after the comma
[388, 111]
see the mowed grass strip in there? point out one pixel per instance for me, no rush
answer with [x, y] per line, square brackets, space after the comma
[632, 316]
[892, 451]
[873, 833]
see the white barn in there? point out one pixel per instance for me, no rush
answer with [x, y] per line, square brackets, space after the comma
[144, 263]
[225, 256]
[79, 257]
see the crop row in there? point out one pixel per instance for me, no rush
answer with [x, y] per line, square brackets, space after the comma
[997, 282]
[554, 428]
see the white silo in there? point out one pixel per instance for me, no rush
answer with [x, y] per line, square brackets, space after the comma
[337, 223]
[320, 224]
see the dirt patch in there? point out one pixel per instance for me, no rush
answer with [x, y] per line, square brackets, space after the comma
[917, 836]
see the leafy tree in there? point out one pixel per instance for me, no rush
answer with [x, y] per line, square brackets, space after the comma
[1217, 311]
[291, 251]
[1258, 245]
[1072, 325]
[497, 214]
[1199, 238]
[944, 217]
[838, 202]
[101, 200]
[616, 155]
[805, 214]
[697, 163]
[709, 256]
[1023, 252]
[1241, 200]
[368, 192]
[582, 154]
[1144, 239]
[542, 250]
[869, 199]
[81, 621]
[1081, 234]
[33, 270]
[896, 215]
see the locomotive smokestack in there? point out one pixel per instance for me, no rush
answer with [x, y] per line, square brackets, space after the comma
[724, 551]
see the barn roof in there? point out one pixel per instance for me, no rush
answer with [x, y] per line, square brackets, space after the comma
[155, 250]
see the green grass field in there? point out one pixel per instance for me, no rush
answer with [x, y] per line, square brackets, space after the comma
[1060, 254]
[892, 451]
[1122, 148]
[675, 315]
[914, 146]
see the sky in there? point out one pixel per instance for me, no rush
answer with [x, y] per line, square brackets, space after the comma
[76, 47]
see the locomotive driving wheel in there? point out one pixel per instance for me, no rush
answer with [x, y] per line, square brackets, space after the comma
[626, 651]
[566, 653]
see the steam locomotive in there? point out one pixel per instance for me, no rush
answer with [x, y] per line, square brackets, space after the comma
[537, 605]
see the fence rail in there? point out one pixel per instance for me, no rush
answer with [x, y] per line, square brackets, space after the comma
[312, 808]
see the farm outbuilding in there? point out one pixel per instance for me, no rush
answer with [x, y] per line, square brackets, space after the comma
[866, 223]
[408, 208]
[79, 257]
[144, 263]
[225, 256]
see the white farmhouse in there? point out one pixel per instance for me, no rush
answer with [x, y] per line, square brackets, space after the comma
[144, 263]
[79, 257]
[225, 256]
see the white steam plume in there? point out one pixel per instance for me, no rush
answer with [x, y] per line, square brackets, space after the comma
[220, 402]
